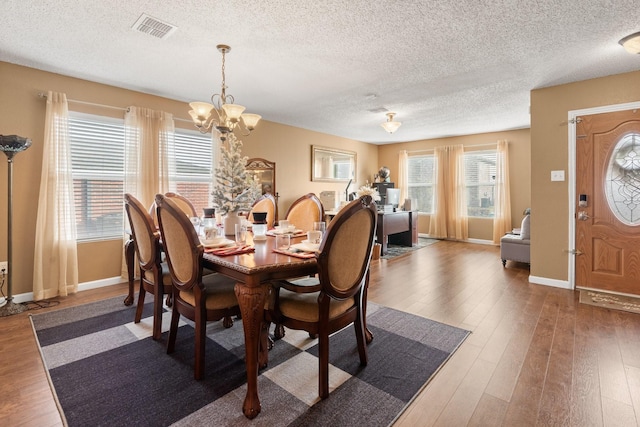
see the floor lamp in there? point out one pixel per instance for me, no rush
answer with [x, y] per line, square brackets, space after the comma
[11, 145]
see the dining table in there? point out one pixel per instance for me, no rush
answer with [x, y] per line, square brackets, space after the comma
[253, 271]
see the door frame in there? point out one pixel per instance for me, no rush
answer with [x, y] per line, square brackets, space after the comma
[572, 115]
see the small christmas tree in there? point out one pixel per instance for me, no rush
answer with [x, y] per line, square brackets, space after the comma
[235, 189]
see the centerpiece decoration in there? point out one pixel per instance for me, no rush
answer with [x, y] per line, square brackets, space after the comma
[366, 190]
[235, 189]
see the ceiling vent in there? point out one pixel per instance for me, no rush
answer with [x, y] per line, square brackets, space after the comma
[154, 27]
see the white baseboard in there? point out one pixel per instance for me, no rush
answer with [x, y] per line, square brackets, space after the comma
[26, 297]
[563, 284]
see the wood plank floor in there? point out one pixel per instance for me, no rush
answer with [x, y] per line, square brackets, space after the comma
[535, 357]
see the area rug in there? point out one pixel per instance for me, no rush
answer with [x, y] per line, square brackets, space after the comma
[606, 300]
[106, 370]
[397, 250]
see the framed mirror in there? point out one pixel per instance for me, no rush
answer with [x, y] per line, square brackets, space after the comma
[332, 165]
[265, 172]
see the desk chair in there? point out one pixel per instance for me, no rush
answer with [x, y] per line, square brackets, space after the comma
[338, 298]
[198, 298]
[154, 274]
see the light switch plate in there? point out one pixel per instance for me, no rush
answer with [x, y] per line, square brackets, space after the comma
[557, 175]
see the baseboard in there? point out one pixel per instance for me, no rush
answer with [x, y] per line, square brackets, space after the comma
[476, 241]
[563, 284]
[26, 297]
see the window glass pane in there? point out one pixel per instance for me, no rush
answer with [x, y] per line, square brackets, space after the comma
[97, 158]
[194, 177]
[420, 182]
[621, 183]
[480, 176]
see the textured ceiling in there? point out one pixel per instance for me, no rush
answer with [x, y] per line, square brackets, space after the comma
[447, 67]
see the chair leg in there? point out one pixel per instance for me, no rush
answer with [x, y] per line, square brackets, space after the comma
[201, 329]
[504, 262]
[157, 313]
[140, 306]
[278, 331]
[173, 330]
[323, 368]
[227, 322]
[360, 339]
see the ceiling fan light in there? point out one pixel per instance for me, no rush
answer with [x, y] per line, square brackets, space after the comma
[631, 43]
[390, 125]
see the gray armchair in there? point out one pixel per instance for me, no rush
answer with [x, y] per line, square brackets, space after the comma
[516, 247]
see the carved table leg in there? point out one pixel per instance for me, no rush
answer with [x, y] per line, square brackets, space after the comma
[129, 256]
[251, 300]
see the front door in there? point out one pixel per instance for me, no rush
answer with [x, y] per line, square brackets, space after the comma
[608, 202]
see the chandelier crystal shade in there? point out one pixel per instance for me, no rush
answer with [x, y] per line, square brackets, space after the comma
[390, 125]
[222, 113]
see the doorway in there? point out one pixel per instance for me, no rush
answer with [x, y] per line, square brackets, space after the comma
[605, 199]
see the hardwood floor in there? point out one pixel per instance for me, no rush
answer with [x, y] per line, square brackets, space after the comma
[535, 357]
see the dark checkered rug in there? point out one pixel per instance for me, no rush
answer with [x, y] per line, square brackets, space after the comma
[106, 370]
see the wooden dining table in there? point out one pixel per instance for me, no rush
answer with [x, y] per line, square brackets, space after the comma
[253, 272]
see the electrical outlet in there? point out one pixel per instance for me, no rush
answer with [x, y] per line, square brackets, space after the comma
[4, 267]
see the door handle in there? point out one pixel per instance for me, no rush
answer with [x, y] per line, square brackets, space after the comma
[583, 216]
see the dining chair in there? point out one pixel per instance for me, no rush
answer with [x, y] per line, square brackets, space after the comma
[305, 211]
[197, 297]
[154, 274]
[265, 203]
[181, 201]
[336, 298]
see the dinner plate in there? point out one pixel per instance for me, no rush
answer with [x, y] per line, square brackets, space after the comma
[286, 231]
[306, 246]
[217, 243]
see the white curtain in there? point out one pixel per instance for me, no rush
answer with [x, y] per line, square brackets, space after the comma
[403, 174]
[149, 160]
[502, 201]
[215, 158]
[450, 211]
[55, 258]
[149, 153]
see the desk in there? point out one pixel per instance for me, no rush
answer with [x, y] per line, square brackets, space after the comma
[399, 228]
[253, 271]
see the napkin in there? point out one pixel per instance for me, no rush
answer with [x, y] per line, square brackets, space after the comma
[294, 234]
[305, 255]
[235, 250]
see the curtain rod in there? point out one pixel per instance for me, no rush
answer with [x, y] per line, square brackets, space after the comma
[93, 104]
[428, 150]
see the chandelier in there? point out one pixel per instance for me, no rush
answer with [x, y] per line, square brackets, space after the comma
[390, 126]
[222, 113]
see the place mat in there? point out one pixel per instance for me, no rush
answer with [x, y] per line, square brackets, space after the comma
[236, 250]
[305, 255]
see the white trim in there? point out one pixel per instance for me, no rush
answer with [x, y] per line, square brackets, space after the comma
[28, 296]
[563, 284]
[572, 115]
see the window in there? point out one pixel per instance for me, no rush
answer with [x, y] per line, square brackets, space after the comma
[97, 157]
[420, 182]
[480, 175]
[194, 177]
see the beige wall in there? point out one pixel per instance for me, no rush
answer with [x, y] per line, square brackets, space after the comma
[22, 113]
[519, 171]
[549, 151]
